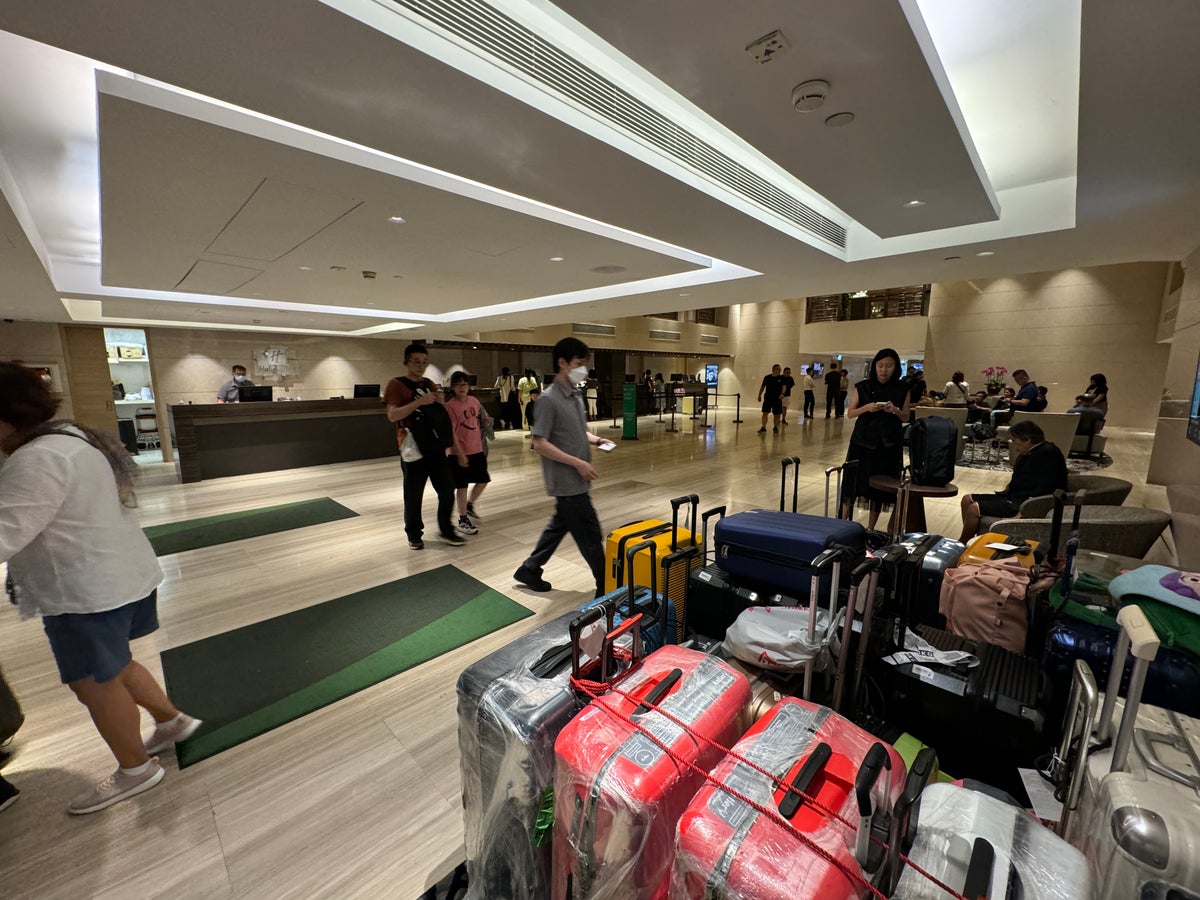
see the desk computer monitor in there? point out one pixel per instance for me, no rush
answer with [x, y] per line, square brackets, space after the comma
[366, 392]
[254, 393]
[677, 376]
[631, 379]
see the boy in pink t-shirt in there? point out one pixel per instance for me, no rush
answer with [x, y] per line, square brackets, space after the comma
[468, 417]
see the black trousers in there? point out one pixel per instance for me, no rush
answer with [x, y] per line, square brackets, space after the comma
[437, 473]
[810, 404]
[831, 397]
[575, 516]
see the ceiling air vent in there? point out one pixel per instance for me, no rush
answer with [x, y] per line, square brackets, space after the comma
[709, 339]
[510, 43]
[587, 328]
[664, 335]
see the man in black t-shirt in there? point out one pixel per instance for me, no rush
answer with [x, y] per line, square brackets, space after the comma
[833, 387]
[788, 383]
[770, 394]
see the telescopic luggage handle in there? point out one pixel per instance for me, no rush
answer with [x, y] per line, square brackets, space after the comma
[794, 463]
[1068, 765]
[846, 468]
[662, 601]
[1137, 634]
[719, 512]
[694, 502]
[866, 571]
[831, 557]
[584, 628]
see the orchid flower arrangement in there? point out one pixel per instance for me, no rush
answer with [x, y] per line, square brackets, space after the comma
[994, 376]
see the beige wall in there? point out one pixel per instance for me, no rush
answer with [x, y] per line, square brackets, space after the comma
[1175, 459]
[38, 342]
[865, 338]
[1061, 327]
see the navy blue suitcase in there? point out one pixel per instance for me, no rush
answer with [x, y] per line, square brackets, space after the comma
[776, 548]
[1172, 681]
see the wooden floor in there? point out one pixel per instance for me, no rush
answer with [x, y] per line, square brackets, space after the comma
[360, 799]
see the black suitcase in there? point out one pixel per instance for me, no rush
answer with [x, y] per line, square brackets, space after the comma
[984, 722]
[714, 602]
[511, 707]
[915, 585]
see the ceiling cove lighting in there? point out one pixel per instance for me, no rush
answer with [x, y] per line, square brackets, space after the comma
[986, 253]
[397, 220]
[913, 204]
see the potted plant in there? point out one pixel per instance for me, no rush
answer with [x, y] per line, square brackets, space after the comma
[993, 377]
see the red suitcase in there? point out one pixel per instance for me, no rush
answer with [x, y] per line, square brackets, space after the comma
[728, 848]
[617, 794]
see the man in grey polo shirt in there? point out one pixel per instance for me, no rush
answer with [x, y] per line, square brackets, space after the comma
[561, 437]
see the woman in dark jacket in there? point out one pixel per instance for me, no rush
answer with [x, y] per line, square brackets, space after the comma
[879, 404]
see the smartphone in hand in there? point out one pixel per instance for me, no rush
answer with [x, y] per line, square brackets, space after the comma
[606, 446]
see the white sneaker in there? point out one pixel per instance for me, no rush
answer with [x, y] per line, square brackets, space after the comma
[168, 734]
[116, 787]
[465, 526]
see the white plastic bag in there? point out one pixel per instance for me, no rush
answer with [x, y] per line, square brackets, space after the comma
[408, 449]
[776, 637]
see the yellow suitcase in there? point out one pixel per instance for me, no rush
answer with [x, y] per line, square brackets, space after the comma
[977, 549]
[669, 539]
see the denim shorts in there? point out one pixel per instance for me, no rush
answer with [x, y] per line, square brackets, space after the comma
[96, 645]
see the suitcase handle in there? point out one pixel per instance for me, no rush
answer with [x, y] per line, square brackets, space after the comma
[589, 617]
[846, 469]
[608, 659]
[791, 802]
[619, 559]
[900, 838]
[1068, 765]
[662, 601]
[979, 871]
[829, 557]
[862, 571]
[659, 691]
[1137, 634]
[694, 502]
[718, 511]
[794, 463]
[1147, 742]
[874, 764]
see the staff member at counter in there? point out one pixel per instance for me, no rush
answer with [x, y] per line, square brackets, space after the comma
[228, 392]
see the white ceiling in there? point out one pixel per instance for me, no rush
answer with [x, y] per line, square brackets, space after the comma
[224, 146]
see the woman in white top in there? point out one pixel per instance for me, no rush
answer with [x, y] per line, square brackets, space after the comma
[958, 392]
[78, 558]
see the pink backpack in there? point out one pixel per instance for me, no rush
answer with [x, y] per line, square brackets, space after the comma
[985, 601]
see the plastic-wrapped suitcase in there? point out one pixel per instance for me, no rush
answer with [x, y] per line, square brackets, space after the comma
[728, 848]
[1136, 797]
[618, 794]
[775, 549]
[511, 706]
[979, 846]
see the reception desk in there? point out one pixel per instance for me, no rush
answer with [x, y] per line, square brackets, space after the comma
[221, 439]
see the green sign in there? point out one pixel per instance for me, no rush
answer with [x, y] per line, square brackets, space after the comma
[629, 412]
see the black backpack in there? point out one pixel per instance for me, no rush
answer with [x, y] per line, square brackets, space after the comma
[933, 443]
[430, 425]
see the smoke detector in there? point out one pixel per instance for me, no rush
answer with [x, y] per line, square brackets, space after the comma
[809, 95]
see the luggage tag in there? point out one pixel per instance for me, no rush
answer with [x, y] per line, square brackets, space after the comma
[919, 651]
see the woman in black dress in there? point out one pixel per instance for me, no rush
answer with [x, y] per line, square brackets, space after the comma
[880, 405]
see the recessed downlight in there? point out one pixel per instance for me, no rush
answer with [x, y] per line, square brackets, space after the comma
[986, 253]
[397, 220]
[556, 259]
[306, 268]
[913, 204]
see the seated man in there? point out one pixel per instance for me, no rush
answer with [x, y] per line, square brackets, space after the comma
[1039, 468]
[978, 409]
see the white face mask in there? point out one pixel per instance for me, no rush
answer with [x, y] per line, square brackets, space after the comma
[239, 378]
[578, 375]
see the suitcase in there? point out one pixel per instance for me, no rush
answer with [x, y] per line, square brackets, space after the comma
[667, 535]
[659, 624]
[617, 794]
[979, 846]
[714, 601]
[933, 449]
[776, 549]
[728, 848]
[1132, 801]
[977, 549]
[511, 706]
[999, 698]
[1172, 680]
[916, 584]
